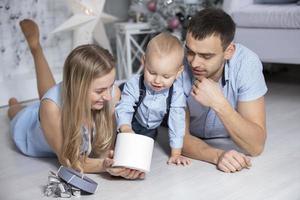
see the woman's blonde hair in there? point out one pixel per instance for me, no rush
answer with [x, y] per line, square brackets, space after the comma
[83, 65]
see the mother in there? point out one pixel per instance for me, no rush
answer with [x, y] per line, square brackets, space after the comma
[73, 119]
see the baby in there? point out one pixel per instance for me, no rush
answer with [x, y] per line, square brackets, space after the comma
[155, 96]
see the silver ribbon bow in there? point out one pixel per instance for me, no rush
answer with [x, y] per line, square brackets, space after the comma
[56, 187]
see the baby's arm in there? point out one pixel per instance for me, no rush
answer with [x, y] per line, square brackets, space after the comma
[125, 128]
[125, 108]
[176, 123]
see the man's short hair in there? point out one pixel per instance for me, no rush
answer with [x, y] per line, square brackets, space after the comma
[212, 21]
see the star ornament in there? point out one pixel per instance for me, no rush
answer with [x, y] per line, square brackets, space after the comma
[87, 22]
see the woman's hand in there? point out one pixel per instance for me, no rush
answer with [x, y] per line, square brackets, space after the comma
[121, 171]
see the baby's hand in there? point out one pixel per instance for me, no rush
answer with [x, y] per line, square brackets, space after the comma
[125, 129]
[179, 160]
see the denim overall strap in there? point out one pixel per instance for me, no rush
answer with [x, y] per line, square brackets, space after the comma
[169, 100]
[142, 89]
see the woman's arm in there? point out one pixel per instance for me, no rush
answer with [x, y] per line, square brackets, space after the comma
[50, 118]
[97, 165]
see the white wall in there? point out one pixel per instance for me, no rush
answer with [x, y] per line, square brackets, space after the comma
[17, 75]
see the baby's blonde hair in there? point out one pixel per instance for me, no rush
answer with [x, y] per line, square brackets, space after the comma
[165, 44]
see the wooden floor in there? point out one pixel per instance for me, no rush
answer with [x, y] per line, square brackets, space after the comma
[274, 175]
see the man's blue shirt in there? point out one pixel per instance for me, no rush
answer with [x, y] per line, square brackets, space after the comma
[243, 81]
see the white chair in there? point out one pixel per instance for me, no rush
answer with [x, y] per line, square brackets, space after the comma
[129, 49]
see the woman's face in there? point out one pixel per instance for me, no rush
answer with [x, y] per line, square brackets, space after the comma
[101, 90]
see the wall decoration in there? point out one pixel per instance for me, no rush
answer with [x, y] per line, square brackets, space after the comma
[17, 77]
[87, 22]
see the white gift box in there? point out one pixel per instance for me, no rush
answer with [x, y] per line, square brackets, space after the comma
[133, 151]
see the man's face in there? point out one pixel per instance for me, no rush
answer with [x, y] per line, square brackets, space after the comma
[206, 57]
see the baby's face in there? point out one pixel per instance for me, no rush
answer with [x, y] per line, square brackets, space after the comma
[161, 72]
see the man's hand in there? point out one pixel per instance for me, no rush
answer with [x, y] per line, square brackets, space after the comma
[207, 92]
[121, 171]
[233, 161]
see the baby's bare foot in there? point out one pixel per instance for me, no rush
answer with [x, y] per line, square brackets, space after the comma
[31, 32]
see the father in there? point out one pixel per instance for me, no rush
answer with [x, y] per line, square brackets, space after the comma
[225, 88]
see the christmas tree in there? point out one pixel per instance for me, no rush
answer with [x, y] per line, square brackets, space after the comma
[170, 15]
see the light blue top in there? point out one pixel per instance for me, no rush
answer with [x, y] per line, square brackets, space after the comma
[151, 111]
[26, 128]
[27, 133]
[244, 81]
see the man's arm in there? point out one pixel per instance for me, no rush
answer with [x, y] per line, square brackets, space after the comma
[227, 161]
[196, 148]
[246, 126]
